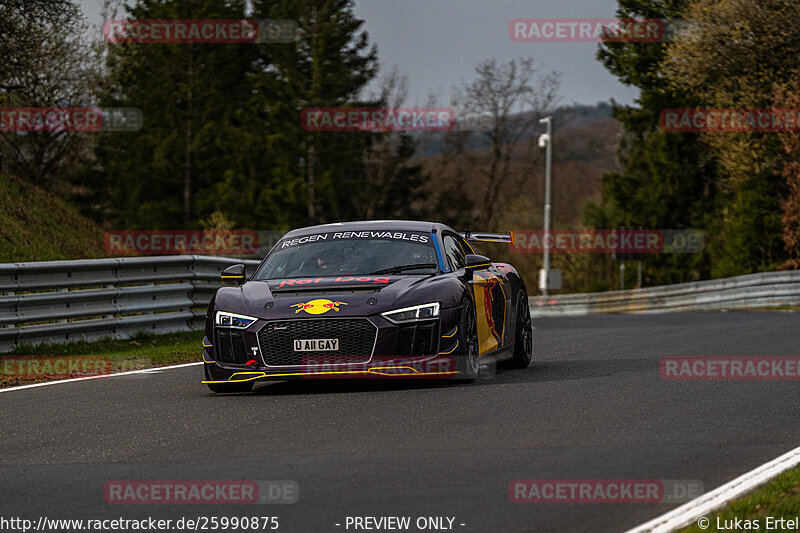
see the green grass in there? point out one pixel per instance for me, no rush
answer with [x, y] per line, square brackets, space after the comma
[780, 498]
[142, 351]
[38, 225]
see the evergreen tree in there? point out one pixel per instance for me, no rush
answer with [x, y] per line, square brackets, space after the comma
[762, 36]
[193, 98]
[328, 66]
[667, 181]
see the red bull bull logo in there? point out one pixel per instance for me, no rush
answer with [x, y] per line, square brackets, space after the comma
[318, 307]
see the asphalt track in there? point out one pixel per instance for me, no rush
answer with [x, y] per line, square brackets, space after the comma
[591, 406]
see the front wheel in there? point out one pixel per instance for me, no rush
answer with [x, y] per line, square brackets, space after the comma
[467, 352]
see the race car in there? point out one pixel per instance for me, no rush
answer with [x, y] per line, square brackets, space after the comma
[403, 299]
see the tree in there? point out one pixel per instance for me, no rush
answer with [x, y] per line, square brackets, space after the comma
[328, 66]
[739, 55]
[194, 101]
[789, 98]
[393, 183]
[668, 179]
[505, 107]
[46, 63]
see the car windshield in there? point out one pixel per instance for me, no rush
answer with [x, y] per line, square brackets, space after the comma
[350, 253]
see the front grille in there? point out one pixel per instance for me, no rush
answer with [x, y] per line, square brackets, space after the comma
[356, 340]
[230, 346]
[417, 339]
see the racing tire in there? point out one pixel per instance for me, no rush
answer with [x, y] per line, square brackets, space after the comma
[523, 336]
[467, 356]
[222, 388]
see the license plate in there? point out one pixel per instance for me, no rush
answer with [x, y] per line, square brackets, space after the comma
[316, 345]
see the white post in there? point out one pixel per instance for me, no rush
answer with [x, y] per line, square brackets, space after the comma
[546, 141]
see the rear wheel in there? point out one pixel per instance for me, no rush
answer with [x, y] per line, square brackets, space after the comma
[523, 337]
[467, 352]
[242, 386]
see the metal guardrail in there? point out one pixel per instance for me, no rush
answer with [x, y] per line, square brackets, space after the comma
[62, 301]
[766, 289]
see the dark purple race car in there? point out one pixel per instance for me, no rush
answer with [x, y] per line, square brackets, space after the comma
[368, 299]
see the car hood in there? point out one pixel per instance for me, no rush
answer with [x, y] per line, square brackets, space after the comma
[327, 296]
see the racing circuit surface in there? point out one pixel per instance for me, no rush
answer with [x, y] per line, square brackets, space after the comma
[592, 405]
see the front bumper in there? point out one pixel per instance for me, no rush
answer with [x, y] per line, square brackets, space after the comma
[380, 367]
[397, 352]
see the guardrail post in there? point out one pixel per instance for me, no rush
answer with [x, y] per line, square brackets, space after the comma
[62, 320]
[9, 285]
[639, 275]
[113, 300]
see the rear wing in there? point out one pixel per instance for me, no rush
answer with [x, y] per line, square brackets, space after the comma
[476, 236]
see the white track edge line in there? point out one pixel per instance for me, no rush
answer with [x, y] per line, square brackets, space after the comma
[695, 509]
[101, 376]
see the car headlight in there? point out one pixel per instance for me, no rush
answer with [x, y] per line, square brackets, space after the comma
[232, 320]
[410, 314]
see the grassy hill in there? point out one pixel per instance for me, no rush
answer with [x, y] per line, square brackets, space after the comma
[38, 225]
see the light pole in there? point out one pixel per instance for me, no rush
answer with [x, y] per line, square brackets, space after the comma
[546, 141]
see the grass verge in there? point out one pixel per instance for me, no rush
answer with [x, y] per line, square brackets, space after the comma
[39, 225]
[143, 350]
[780, 498]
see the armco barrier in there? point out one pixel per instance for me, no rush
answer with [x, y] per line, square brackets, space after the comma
[766, 289]
[62, 301]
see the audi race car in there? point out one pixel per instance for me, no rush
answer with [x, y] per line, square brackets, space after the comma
[367, 299]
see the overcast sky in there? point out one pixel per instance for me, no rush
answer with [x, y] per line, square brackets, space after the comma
[437, 43]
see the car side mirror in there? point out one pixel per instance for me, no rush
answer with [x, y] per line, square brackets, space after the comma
[235, 273]
[474, 262]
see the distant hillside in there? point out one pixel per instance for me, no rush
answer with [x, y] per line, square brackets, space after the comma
[565, 117]
[585, 148]
[37, 225]
[580, 115]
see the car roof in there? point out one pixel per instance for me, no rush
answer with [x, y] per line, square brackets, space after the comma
[374, 225]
